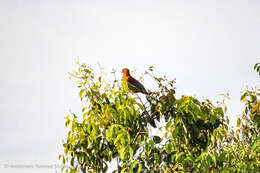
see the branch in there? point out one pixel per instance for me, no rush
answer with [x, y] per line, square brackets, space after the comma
[139, 132]
[142, 104]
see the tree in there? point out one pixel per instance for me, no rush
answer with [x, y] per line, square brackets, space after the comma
[193, 135]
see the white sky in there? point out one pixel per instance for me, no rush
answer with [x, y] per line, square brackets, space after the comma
[210, 46]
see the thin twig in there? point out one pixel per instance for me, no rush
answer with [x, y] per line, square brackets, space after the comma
[142, 104]
[139, 132]
[75, 76]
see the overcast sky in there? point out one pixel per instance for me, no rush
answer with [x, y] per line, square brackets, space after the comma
[209, 46]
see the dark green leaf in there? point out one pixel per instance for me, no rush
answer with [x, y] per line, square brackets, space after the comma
[156, 139]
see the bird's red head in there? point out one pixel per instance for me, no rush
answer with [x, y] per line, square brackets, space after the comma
[126, 71]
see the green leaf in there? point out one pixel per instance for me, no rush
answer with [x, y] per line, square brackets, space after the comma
[81, 158]
[67, 123]
[190, 158]
[157, 157]
[146, 147]
[258, 68]
[109, 134]
[214, 159]
[184, 128]
[121, 135]
[244, 96]
[63, 160]
[176, 131]
[140, 167]
[133, 165]
[122, 152]
[72, 161]
[238, 122]
[255, 66]
[168, 148]
[81, 93]
[156, 139]
[168, 124]
[178, 156]
[131, 152]
[123, 170]
[85, 108]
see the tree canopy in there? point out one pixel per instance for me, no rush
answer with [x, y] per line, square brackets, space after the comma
[192, 135]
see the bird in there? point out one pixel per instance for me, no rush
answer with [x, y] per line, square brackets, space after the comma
[133, 85]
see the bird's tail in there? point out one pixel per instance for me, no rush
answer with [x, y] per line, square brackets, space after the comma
[150, 93]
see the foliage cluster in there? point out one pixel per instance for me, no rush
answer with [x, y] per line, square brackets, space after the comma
[193, 135]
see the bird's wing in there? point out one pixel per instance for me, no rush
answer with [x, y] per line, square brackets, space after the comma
[135, 85]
